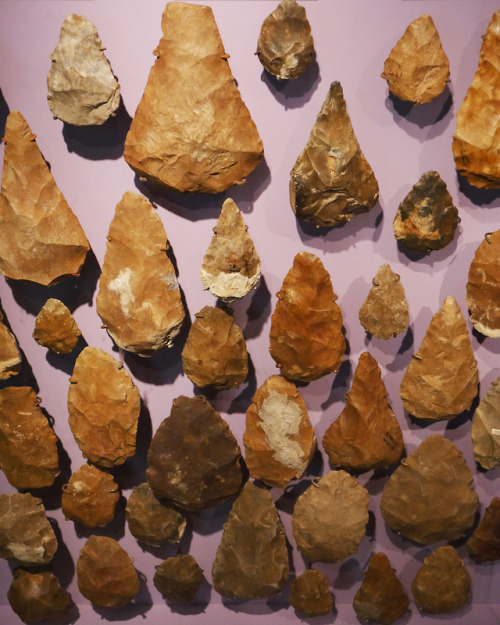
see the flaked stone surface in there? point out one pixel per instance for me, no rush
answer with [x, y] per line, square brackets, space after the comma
[38, 596]
[331, 181]
[430, 496]
[441, 380]
[306, 339]
[178, 579]
[215, 352]
[90, 497]
[41, 239]
[367, 434]
[104, 406]
[484, 542]
[10, 356]
[426, 219]
[139, 300]
[381, 597]
[105, 573]
[252, 558]
[25, 532]
[417, 69]
[483, 286]
[442, 585]
[476, 145]
[279, 439]
[384, 313]
[310, 593]
[204, 146]
[485, 429]
[152, 521]
[329, 519]
[55, 327]
[285, 46]
[231, 266]
[194, 460]
[81, 87]
[28, 445]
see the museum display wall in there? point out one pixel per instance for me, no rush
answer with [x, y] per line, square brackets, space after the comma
[399, 140]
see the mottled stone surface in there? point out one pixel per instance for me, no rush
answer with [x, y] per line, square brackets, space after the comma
[426, 219]
[105, 573]
[28, 445]
[483, 286]
[310, 594]
[215, 352]
[485, 429]
[231, 266]
[484, 542]
[417, 69]
[476, 142]
[104, 406]
[329, 519]
[152, 521]
[384, 313]
[306, 339]
[279, 439]
[430, 496]
[38, 596]
[178, 578]
[139, 300]
[252, 558]
[331, 181]
[194, 459]
[10, 356]
[82, 89]
[367, 434]
[41, 239]
[285, 46]
[25, 532]
[441, 380]
[55, 327]
[442, 585]
[381, 597]
[90, 497]
[205, 146]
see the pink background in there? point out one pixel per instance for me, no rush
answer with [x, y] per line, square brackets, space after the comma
[352, 40]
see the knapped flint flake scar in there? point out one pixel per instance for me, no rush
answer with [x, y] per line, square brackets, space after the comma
[331, 181]
[285, 46]
[476, 143]
[279, 439]
[28, 445]
[484, 542]
[426, 219]
[384, 314]
[251, 561]
[178, 578]
[329, 519]
[483, 286]
[191, 130]
[381, 597]
[194, 460]
[417, 69]
[231, 266]
[139, 300]
[55, 327]
[25, 532]
[430, 496]
[485, 429]
[38, 596]
[443, 584]
[310, 593]
[215, 352]
[441, 380]
[41, 239]
[81, 87]
[10, 356]
[306, 339]
[367, 434]
[104, 406]
[105, 573]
